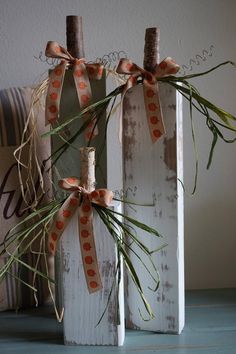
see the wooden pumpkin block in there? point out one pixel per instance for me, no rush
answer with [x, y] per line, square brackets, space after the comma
[68, 164]
[83, 310]
[151, 173]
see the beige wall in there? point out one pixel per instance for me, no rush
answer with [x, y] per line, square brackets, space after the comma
[187, 28]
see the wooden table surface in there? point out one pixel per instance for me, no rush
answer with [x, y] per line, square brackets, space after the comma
[210, 328]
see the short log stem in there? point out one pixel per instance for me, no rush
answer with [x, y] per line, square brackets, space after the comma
[151, 49]
[87, 168]
[74, 36]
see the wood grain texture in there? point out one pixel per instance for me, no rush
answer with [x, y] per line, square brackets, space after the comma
[74, 36]
[69, 164]
[83, 310]
[150, 176]
[87, 168]
[151, 48]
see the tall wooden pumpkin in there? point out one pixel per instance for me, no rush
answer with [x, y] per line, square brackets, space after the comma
[82, 310]
[152, 172]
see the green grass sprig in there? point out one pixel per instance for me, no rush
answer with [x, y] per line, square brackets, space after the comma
[217, 119]
[120, 231]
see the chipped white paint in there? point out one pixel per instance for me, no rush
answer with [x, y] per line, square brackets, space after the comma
[151, 172]
[82, 311]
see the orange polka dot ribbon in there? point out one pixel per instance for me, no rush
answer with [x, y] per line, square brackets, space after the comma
[82, 200]
[82, 72]
[150, 90]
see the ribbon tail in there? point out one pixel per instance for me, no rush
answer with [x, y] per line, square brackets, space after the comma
[56, 78]
[61, 220]
[153, 110]
[88, 247]
[84, 93]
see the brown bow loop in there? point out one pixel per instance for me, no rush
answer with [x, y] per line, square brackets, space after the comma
[150, 90]
[81, 73]
[54, 50]
[81, 199]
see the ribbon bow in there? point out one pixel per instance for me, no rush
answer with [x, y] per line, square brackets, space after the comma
[82, 199]
[150, 90]
[81, 73]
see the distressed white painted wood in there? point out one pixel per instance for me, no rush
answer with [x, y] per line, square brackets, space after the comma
[151, 173]
[69, 164]
[83, 310]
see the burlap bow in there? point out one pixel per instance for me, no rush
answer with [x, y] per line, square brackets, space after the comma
[150, 90]
[81, 73]
[80, 198]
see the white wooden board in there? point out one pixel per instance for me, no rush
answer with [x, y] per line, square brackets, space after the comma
[151, 173]
[83, 310]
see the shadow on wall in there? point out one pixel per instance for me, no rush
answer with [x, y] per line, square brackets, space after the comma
[210, 244]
